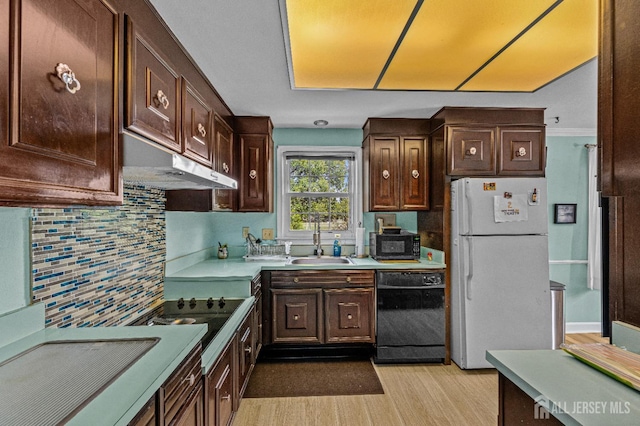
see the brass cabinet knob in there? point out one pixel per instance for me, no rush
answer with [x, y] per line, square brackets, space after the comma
[386, 174]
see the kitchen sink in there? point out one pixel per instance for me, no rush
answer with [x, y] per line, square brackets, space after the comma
[323, 260]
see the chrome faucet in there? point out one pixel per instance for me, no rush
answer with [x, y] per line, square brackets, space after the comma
[316, 236]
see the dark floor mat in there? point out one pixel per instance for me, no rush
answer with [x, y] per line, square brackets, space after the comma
[311, 378]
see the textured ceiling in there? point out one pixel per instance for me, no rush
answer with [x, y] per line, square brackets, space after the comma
[242, 49]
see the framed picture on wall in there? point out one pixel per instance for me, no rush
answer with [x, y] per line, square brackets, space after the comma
[564, 213]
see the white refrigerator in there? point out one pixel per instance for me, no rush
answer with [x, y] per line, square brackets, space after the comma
[500, 295]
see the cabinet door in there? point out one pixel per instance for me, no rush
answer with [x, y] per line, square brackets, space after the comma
[245, 355]
[257, 326]
[254, 194]
[192, 412]
[147, 415]
[153, 92]
[414, 173]
[522, 151]
[297, 315]
[349, 315]
[383, 174]
[196, 125]
[471, 151]
[224, 199]
[59, 140]
[219, 388]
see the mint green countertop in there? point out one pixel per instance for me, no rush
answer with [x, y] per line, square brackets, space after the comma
[240, 269]
[122, 399]
[575, 393]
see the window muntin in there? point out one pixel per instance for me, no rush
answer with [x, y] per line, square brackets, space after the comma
[319, 185]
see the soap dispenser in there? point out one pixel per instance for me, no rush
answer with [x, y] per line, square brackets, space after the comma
[336, 248]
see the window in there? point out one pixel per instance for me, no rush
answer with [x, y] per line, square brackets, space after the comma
[319, 186]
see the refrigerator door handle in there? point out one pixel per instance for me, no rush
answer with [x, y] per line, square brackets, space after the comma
[470, 270]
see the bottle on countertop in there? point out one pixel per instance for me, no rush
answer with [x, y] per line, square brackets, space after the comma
[337, 249]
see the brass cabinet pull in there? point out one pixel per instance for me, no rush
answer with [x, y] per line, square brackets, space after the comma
[225, 167]
[415, 174]
[253, 174]
[348, 279]
[296, 317]
[247, 350]
[162, 99]
[296, 279]
[349, 316]
[202, 130]
[472, 151]
[226, 397]
[68, 77]
[386, 174]
[521, 152]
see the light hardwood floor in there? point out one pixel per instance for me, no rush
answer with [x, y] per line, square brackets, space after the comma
[417, 395]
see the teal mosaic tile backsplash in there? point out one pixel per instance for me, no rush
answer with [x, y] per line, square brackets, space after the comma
[99, 267]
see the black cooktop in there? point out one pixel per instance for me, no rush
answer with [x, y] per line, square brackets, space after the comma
[213, 312]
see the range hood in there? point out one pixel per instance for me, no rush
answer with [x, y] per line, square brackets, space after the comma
[145, 163]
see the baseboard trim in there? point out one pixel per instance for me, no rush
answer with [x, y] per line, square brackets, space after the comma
[583, 327]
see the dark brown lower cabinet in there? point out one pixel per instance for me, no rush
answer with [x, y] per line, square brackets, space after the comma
[296, 315]
[319, 307]
[515, 407]
[246, 360]
[177, 395]
[147, 415]
[192, 413]
[220, 389]
[348, 317]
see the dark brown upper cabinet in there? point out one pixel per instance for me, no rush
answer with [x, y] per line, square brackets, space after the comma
[224, 199]
[59, 110]
[255, 162]
[491, 141]
[396, 164]
[196, 125]
[153, 91]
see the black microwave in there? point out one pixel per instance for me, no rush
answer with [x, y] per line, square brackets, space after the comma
[397, 246]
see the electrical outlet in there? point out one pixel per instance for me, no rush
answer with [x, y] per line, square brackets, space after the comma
[245, 232]
[336, 235]
[267, 234]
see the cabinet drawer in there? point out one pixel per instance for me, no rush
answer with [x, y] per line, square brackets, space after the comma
[349, 315]
[297, 315]
[174, 393]
[153, 93]
[322, 279]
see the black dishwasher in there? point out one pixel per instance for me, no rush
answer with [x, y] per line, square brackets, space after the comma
[410, 317]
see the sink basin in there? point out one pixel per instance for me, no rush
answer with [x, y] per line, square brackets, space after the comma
[324, 260]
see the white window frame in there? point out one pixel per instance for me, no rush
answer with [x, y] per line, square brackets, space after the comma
[355, 191]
